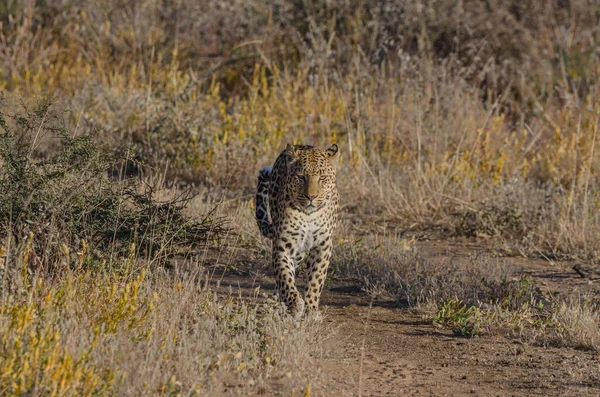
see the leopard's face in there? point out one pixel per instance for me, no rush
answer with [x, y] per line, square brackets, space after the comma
[311, 177]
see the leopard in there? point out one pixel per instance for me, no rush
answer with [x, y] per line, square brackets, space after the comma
[297, 205]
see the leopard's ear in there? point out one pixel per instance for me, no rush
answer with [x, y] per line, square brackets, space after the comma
[290, 150]
[291, 153]
[333, 150]
[333, 154]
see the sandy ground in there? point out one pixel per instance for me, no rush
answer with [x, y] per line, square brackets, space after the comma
[381, 349]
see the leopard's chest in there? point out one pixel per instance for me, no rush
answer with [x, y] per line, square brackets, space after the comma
[310, 229]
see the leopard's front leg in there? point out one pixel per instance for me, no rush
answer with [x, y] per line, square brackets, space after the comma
[285, 276]
[317, 264]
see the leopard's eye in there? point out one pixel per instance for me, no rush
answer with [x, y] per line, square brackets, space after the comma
[301, 177]
[322, 178]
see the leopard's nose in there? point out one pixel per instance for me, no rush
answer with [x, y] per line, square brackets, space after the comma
[311, 197]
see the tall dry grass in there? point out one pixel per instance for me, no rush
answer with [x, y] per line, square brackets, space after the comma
[446, 112]
[477, 118]
[110, 284]
[147, 332]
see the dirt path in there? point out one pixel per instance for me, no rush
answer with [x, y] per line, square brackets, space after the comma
[383, 351]
[379, 349]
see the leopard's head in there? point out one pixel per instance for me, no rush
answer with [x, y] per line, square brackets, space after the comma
[311, 175]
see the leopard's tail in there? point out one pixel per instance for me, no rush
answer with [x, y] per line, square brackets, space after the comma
[262, 202]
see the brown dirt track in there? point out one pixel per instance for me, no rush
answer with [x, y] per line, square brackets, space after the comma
[379, 348]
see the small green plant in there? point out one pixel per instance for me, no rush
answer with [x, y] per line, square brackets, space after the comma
[462, 319]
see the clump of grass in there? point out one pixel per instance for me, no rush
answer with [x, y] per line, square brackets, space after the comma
[63, 190]
[577, 323]
[490, 222]
[396, 267]
[542, 320]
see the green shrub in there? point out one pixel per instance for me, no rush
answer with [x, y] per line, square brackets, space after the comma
[68, 191]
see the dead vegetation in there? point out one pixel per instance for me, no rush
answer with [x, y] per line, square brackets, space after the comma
[138, 331]
[478, 295]
[478, 118]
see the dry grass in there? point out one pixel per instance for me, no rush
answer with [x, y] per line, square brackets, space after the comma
[147, 332]
[578, 324]
[478, 119]
[472, 296]
[440, 117]
[395, 267]
[110, 286]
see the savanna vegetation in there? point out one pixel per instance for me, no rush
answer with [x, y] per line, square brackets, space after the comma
[131, 133]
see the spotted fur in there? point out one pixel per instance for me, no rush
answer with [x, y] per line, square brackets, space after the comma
[299, 194]
[262, 200]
